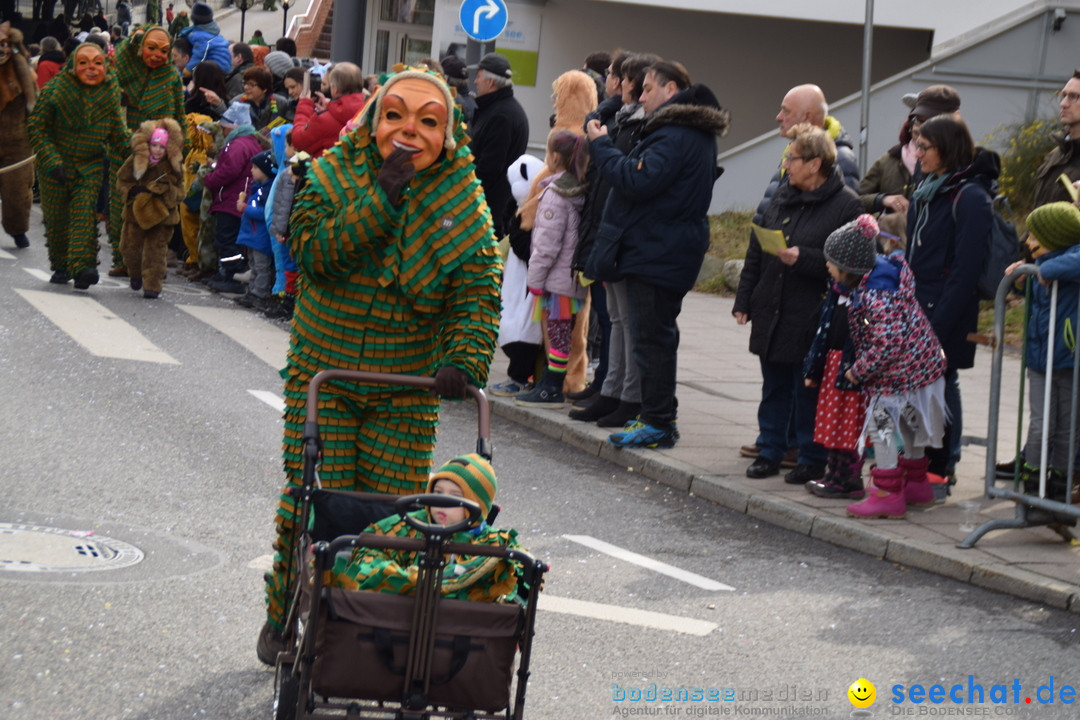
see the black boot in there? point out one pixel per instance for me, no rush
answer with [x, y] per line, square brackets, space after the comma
[597, 409]
[621, 415]
[21, 241]
[85, 278]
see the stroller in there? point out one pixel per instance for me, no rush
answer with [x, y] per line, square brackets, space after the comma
[363, 654]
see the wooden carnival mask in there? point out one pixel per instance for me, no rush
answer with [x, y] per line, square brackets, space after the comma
[90, 65]
[156, 47]
[413, 116]
[5, 42]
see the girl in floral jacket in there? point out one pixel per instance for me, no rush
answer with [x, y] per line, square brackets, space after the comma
[898, 363]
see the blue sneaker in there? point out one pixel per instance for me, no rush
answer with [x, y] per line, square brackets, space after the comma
[510, 388]
[640, 435]
[541, 397]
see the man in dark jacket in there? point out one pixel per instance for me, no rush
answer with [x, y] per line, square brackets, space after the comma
[242, 61]
[1065, 156]
[655, 216]
[500, 133]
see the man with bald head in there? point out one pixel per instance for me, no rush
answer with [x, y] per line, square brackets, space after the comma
[806, 103]
[802, 104]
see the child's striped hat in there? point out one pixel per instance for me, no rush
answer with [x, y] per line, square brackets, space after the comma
[474, 475]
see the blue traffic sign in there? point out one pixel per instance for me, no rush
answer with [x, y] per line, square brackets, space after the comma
[483, 20]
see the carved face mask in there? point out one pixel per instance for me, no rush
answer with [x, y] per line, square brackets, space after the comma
[414, 117]
[90, 65]
[155, 49]
[5, 44]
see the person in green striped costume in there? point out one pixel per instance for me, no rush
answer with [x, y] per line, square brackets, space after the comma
[76, 121]
[399, 272]
[150, 89]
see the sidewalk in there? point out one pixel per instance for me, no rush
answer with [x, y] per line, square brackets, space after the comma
[719, 388]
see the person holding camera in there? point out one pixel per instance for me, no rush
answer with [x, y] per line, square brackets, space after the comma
[319, 119]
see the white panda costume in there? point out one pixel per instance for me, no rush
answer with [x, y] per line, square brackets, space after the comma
[516, 323]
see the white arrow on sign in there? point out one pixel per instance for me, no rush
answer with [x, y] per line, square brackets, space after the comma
[490, 10]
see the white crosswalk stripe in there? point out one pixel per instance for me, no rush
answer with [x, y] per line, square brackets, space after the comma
[273, 400]
[648, 563]
[95, 327]
[267, 341]
[629, 616]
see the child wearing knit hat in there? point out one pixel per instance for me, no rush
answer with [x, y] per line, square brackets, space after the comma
[254, 234]
[475, 577]
[1056, 228]
[838, 419]
[899, 365]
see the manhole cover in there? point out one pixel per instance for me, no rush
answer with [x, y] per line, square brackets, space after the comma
[38, 548]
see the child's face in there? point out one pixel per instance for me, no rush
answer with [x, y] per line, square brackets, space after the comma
[1034, 247]
[258, 175]
[290, 149]
[447, 516]
[834, 272]
[157, 151]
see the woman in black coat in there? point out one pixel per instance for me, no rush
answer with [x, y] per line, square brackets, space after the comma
[949, 223]
[781, 296]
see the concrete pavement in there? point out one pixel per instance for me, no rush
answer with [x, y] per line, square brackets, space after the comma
[719, 388]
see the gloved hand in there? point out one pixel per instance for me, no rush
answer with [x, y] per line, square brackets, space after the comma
[536, 291]
[59, 174]
[450, 382]
[395, 173]
[135, 191]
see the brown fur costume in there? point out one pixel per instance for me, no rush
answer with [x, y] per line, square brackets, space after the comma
[18, 92]
[152, 195]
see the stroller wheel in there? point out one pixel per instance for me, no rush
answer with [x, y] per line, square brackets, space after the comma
[286, 692]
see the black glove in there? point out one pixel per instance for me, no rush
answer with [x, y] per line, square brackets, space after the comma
[59, 174]
[395, 173]
[450, 382]
[136, 190]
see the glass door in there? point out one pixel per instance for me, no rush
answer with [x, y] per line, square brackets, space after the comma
[402, 33]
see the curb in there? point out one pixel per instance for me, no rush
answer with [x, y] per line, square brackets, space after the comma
[846, 533]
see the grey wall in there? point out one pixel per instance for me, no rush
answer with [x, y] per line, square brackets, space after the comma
[749, 62]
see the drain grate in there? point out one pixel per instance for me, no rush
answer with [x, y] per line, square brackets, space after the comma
[39, 549]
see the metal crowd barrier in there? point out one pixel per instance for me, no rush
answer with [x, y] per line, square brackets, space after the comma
[1031, 510]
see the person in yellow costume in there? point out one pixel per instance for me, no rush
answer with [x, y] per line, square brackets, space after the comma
[399, 272]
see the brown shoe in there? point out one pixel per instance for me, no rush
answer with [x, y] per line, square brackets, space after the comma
[749, 451]
[118, 271]
[791, 458]
[270, 644]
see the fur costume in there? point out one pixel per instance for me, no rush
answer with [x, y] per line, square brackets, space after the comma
[18, 92]
[203, 138]
[71, 128]
[405, 288]
[147, 94]
[152, 195]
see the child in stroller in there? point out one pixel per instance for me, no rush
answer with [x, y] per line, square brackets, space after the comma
[476, 578]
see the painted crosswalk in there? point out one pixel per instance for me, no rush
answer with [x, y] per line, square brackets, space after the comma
[96, 328]
[648, 563]
[266, 340]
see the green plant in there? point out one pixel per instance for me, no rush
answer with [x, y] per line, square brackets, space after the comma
[1023, 146]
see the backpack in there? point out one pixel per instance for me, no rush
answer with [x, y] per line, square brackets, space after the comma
[1003, 248]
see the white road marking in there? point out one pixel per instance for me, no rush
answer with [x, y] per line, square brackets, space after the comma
[267, 341]
[629, 616]
[648, 563]
[39, 274]
[97, 329]
[5, 255]
[264, 563]
[271, 399]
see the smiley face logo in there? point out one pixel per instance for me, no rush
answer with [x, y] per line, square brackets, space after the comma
[862, 693]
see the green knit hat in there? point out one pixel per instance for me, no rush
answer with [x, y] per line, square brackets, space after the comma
[474, 475]
[1055, 225]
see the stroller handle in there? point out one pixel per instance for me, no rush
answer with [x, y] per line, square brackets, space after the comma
[429, 500]
[311, 419]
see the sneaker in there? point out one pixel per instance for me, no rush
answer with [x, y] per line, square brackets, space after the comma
[541, 397]
[270, 644]
[510, 388]
[641, 435]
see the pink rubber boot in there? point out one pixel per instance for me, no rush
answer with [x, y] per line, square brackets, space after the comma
[918, 492]
[885, 499]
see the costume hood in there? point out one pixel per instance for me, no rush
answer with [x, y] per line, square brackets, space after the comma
[575, 98]
[277, 140]
[140, 146]
[16, 76]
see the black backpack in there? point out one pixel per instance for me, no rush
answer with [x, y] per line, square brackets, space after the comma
[1003, 247]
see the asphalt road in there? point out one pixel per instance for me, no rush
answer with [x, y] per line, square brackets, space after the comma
[178, 456]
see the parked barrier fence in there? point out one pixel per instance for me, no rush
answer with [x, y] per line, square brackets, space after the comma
[1034, 508]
